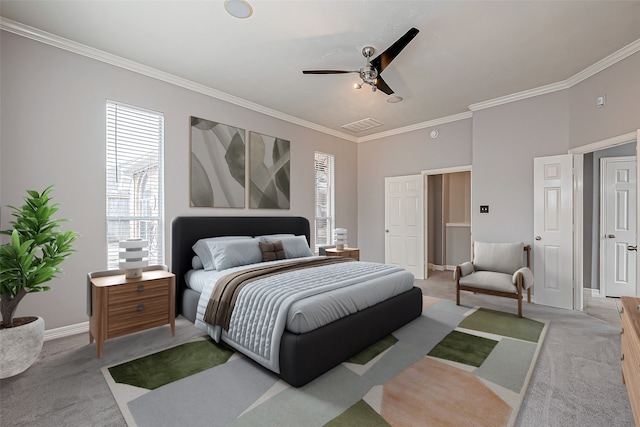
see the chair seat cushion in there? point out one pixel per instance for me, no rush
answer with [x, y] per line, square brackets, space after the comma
[490, 280]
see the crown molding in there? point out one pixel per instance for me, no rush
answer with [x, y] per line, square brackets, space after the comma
[99, 55]
[108, 58]
[417, 126]
[601, 65]
[518, 96]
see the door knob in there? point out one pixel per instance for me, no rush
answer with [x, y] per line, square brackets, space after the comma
[632, 248]
[386, 231]
[538, 238]
[611, 236]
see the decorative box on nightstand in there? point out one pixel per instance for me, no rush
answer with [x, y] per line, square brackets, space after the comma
[121, 306]
[345, 252]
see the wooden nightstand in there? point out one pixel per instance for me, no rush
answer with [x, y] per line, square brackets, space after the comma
[346, 252]
[121, 306]
[630, 345]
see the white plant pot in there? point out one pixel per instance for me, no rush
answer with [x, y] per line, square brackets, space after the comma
[20, 346]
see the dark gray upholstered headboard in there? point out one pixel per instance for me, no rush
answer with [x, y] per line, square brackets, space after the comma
[186, 230]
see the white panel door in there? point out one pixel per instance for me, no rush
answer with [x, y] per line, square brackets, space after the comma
[552, 226]
[404, 225]
[618, 264]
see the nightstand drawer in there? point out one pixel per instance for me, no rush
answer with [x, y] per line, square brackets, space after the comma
[132, 316]
[137, 291]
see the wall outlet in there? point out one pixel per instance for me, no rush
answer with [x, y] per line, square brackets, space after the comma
[484, 208]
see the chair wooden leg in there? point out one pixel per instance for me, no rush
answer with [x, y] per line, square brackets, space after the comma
[457, 273]
[529, 295]
[519, 281]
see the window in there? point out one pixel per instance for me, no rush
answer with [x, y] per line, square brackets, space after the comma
[135, 139]
[325, 190]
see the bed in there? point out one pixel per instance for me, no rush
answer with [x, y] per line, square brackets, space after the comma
[302, 356]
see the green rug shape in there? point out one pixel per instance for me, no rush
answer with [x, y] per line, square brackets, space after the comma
[463, 348]
[359, 414]
[505, 324]
[158, 369]
[366, 355]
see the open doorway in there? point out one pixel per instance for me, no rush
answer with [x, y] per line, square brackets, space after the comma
[588, 234]
[447, 218]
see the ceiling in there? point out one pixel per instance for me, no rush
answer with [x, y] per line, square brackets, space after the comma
[467, 52]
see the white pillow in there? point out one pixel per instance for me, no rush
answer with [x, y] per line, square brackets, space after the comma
[294, 246]
[234, 253]
[196, 263]
[201, 248]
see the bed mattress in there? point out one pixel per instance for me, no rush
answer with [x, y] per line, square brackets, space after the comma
[318, 310]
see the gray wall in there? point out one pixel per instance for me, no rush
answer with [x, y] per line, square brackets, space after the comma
[405, 154]
[53, 132]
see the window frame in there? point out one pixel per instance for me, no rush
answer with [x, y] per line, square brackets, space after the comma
[328, 193]
[137, 199]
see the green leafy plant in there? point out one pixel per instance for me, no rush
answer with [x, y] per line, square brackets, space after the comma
[33, 256]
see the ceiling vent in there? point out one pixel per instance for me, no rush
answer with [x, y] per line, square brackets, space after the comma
[361, 125]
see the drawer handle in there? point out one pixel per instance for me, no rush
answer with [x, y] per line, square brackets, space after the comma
[140, 307]
[140, 288]
[622, 331]
[638, 307]
[622, 358]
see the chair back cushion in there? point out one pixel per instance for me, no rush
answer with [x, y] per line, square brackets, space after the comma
[499, 257]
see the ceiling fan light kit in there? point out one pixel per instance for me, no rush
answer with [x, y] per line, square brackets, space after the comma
[370, 73]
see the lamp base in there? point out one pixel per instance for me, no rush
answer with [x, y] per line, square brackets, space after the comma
[134, 273]
[340, 246]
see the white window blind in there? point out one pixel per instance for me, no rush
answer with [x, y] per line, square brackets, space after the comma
[325, 194]
[135, 208]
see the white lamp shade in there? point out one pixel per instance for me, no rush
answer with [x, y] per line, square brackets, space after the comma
[133, 257]
[340, 235]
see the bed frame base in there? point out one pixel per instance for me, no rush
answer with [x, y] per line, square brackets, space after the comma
[304, 357]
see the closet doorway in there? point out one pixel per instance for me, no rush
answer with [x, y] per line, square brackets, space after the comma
[447, 217]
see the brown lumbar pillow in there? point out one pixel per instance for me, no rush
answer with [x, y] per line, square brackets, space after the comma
[272, 251]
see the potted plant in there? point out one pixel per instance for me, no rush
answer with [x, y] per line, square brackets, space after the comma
[31, 259]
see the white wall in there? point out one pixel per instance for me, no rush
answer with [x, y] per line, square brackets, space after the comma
[53, 132]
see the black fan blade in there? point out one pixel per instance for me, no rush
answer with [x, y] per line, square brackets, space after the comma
[383, 86]
[327, 72]
[385, 58]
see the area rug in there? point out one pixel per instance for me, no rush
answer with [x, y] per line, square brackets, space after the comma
[452, 366]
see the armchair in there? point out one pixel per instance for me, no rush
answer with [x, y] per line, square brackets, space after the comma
[496, 269]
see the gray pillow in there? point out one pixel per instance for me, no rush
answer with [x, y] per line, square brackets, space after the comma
[234, 253]
[201, 249]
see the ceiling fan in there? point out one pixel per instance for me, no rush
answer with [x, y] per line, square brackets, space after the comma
[370, 73]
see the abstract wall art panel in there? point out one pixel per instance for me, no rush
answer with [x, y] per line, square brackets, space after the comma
[217, 164]
[269, 172]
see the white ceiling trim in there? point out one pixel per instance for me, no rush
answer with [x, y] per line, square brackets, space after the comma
[81, 49]
[78, 48]
[601, 65]
[417, 126]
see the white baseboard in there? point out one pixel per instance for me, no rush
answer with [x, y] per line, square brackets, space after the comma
[66, 331]
[435, 267]
[595, 293]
